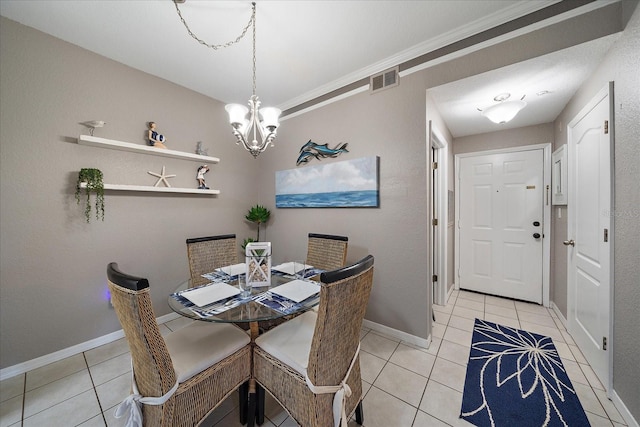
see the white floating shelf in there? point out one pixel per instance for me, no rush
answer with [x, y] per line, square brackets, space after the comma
[94, 141]
[148, 188]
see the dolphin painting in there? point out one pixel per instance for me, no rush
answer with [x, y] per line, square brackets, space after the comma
[311, 149]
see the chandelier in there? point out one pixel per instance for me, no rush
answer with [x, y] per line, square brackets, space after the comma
[254, 134]
[504, 111]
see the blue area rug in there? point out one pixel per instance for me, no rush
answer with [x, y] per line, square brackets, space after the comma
[516, 378]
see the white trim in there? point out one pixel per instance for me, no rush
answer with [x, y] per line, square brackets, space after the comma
[394, 333]
[39, 362]
[623, 410]
[546, 222]
[558, 313]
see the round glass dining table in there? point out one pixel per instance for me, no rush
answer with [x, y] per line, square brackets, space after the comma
[261, 308]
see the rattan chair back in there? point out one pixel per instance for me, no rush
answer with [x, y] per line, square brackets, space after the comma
[344, 296]
[205, 254]
[154, 373]
[327, 252]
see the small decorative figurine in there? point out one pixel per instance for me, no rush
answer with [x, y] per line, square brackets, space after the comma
[155, 139]
[200, 177]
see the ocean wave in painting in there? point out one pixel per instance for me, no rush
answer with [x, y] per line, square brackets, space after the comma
[338, 199]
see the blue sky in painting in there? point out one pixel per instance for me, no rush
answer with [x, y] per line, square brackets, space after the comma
[351, 175]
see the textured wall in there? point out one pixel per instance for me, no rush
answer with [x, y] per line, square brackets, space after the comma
[53, 264]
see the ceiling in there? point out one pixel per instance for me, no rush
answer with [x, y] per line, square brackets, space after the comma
[306, 49]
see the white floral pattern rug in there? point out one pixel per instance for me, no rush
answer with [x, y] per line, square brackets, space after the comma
[516, 378]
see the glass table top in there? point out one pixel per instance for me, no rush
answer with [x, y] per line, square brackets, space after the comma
[261, 305]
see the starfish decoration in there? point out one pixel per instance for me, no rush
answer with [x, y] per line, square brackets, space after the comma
[161, 177]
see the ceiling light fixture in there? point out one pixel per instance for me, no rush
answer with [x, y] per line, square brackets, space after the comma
[504, 111]
[245, 121]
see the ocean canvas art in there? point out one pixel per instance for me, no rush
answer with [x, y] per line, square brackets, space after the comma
[346, 184]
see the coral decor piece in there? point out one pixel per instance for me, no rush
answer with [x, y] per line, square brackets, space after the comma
[162, 177]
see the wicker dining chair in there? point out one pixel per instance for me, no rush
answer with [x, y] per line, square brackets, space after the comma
[321, 347]
[206, 361]
[205, 254]
[327, 252]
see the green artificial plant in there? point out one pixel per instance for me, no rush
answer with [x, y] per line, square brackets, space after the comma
[94, 183]
[258, 215]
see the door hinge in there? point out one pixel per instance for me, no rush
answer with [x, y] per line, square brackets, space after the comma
[606, 127]
[606, 235]
[434, 221]
[604, 343]
[434, 165]
[434, 278]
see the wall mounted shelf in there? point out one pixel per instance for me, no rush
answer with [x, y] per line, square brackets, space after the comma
[94, 141]
[148, 188]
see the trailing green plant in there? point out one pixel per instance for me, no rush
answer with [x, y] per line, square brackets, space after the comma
[93, 179]
[258, 215]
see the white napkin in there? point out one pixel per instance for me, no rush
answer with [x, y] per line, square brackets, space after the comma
[210, 293]
[234, 270]
[287, 267]
[297, 290]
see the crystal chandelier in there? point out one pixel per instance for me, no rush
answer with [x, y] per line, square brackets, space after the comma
[245, 121]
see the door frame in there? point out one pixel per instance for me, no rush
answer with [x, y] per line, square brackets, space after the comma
[546, 220]
[438, 240]
[608, 89]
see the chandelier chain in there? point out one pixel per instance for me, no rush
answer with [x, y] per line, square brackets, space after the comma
[227, 44]
[253, 19]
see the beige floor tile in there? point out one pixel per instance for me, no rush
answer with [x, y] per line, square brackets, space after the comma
[463, 323]
[434, 346]
[448, 373]
[425, 420]
[56, 392]
[11, 411]
[467, 312]
[443, 308]
[384, 410]
[273, 411]
[442, 318]
[115, 391]
[500, 302]
[110, 369]
[574, 372]
[474, 296]
[501, 320]
[554, 333]
[544, 320]
[106, 352]
[458, 336]
[609, 407]
[11, 387]
[443, 403]
[454, 352]
[370, 366]
[531, 307]
[591, 376]
[437, 330]
[598, 421]
[97, 421]
[401, 383]
[112, 421]
[378, 345]
[577, 354]
[501, 311]
[413, 359]
[54, 371]
[563, 350]
[589, 400]
[69, 412]
[470, 304]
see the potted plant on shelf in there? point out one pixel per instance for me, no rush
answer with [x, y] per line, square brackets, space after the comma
[258, 215]
[92, 178]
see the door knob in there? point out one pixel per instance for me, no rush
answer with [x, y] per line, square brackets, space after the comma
[536, 235]
[569, 243]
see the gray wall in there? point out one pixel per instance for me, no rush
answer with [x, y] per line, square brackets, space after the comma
[620, 66]
[508, 138]
[53, 264]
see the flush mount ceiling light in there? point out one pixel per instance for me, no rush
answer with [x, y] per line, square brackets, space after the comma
[504, 111]
[245, 121]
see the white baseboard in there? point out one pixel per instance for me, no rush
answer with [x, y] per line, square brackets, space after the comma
[394, 333]
[624, 411]
[556, 310]
[39, 362]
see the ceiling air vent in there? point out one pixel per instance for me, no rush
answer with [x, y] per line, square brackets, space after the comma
[384, 80]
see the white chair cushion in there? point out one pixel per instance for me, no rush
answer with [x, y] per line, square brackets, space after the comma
[199, 345]
[290, 342]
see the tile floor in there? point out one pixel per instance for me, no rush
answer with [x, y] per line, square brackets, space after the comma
[403, 385]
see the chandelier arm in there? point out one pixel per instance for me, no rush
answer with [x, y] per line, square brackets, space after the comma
[227, 44]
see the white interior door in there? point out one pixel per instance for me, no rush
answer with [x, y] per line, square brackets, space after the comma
[589, 233]
[501, 224]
